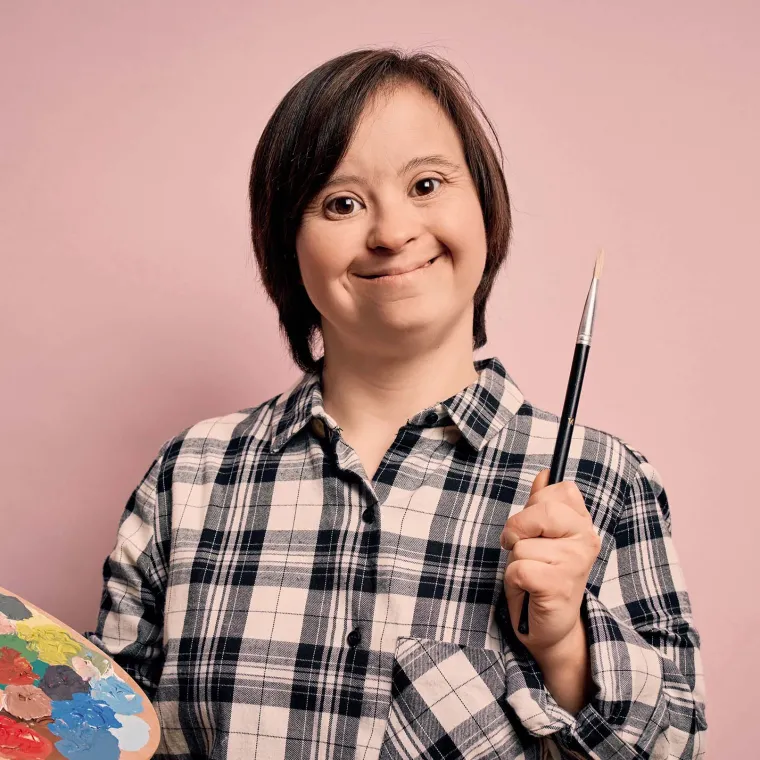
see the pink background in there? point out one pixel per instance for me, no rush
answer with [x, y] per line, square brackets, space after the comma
[130, 307]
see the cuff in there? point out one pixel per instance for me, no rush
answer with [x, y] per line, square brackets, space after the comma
[526, 694]
[628, 708]
[628, 676]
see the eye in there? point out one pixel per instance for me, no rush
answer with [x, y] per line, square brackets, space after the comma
[343, 202]
[427, 180]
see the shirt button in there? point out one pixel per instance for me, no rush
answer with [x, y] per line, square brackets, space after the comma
[431, 418]
[368, 515]
[318, 427]
[354, 638]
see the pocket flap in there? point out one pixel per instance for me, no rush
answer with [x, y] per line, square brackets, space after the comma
[446, 701]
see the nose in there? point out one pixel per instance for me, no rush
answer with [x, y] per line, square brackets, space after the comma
[395, 225]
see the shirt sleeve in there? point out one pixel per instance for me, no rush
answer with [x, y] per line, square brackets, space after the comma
[130, 620]
[643, 648]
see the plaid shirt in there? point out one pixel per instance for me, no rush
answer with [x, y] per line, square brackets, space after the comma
[275, 602]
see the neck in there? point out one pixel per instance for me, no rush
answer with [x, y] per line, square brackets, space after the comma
[362, 389]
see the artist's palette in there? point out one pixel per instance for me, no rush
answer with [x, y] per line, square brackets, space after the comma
[61, 698]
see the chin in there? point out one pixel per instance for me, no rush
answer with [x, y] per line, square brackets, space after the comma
[411, 316]
[422, 327]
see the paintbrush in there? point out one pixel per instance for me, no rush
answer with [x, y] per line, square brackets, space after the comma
[572, 396]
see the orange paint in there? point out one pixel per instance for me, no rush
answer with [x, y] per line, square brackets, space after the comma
[15, 668]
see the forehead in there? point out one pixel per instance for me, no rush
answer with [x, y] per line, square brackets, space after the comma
[398, 124]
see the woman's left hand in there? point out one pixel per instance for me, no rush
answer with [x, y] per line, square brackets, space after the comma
[553, 545]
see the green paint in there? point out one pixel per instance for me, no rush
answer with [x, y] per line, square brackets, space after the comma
[14, 642]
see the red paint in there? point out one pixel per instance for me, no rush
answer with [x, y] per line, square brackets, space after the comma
[15, 668]
[17, 742]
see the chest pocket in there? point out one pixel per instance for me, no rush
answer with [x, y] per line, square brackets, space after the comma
[446, 701]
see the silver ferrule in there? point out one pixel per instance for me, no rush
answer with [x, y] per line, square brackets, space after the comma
[587, 320]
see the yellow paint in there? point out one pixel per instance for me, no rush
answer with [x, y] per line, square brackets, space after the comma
[53, 645]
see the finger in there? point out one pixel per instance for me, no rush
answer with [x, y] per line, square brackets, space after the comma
[539, 482]
[539, 550]
[532, 576]
[565, 490]
[551, 519]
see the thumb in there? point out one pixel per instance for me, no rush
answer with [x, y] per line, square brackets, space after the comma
[540, 482]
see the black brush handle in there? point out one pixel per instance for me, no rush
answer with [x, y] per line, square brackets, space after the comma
[562, 445]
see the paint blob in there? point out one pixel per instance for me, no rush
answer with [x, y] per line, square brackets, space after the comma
[18, 742]
[99, 660]
[53, 644]
[82, 711]
[133, 734]
[13, 608]
[90, 745]
[61, 682]
[117, 695]
[15, 669]
[6, 624]
[84, 668]
[27, 702]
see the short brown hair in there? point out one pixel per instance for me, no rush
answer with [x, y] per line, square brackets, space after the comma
[305, 139]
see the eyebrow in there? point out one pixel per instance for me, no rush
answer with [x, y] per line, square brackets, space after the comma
[435, 160]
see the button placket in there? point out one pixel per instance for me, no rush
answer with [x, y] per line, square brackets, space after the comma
[364, 585]
[361, 583]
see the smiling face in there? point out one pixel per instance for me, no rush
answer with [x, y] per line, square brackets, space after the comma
[401, 197]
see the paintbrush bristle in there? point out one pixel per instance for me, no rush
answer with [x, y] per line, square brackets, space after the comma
[599, 264]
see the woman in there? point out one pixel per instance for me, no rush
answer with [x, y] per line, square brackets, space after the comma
[325, 574]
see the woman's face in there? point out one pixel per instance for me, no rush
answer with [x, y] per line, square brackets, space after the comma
[401, 197]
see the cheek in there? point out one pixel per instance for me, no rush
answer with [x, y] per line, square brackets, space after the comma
[468, 240]
[322, 267]
[321, 271]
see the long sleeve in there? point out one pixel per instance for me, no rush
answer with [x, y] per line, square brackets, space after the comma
[644, 649]
[130, 620]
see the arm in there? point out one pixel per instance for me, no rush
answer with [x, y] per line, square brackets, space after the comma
[647, 699]
[567, 671]
[130, 621]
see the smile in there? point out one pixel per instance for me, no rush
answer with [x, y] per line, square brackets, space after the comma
[393, 277]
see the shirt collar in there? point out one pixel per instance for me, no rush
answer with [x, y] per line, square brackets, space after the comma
[480, 410]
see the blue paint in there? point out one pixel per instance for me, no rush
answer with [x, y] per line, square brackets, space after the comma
[83, 710]
[117, 695]
[133, 735]
[95, 745]
[82, 723]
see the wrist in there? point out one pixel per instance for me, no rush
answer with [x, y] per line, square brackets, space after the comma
[566, 669]
[568, 650]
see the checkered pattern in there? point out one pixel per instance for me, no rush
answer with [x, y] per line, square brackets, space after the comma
[277, 603]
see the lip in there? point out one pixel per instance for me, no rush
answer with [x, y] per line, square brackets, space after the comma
[395, 275]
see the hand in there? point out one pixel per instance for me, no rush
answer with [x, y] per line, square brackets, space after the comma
[553, 545]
